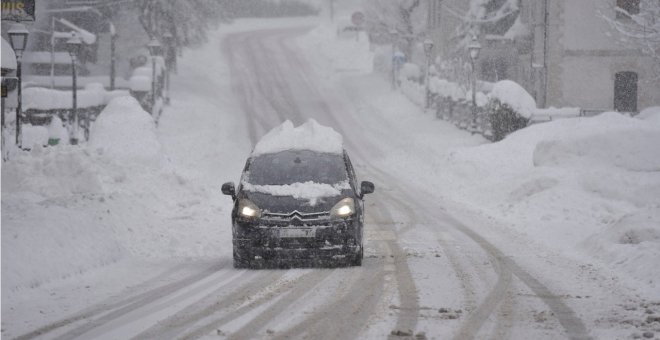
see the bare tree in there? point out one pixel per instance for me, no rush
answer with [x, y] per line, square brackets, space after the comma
[639, 28]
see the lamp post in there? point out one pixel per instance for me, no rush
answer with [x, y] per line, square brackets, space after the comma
[428, 49]
[18, 36]
[395, 39]
[73, 46]
[113, 43]
[474, 48]
[168, 39]
[154, 50]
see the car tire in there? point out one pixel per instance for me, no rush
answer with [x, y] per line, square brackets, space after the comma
[241, 259]
[357, 260]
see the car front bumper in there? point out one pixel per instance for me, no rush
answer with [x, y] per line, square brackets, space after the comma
[333, 241]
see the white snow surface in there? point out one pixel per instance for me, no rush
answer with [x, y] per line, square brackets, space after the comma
[308, 136]
[588, 188]
[650, 114]
[511, 93]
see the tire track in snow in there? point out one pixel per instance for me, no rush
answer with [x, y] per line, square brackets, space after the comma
[221, 299]
[128, 303]
[572, 325]
[272, 291]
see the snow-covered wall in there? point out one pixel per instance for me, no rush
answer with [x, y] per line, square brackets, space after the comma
[584, 55]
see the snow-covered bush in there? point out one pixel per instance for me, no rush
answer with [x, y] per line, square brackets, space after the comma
[504, 119]
[510, 108]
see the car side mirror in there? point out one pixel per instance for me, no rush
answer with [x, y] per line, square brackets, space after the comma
[229, 189]
[366, 187]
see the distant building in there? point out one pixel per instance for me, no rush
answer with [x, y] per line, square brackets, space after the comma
[562, 51]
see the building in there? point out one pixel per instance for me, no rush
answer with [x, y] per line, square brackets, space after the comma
[565, 53]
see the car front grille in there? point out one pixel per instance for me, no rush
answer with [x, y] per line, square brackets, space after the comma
[296, 215]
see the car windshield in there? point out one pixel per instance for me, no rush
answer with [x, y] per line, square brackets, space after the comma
[299, 166]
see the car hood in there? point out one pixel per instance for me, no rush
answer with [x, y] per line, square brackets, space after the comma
[286, 204]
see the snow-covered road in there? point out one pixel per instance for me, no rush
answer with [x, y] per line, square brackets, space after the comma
[434, 268]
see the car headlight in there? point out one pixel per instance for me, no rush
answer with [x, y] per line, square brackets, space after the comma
[344, 208]
[248, 210]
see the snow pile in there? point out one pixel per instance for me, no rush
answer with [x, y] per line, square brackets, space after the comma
[41, 229]
[585, 184]
[34, 136]
[310, 191]
[510, 93]
[50, 173]
[651, 115]
[127, 133]
[308, 136]
[635, 147]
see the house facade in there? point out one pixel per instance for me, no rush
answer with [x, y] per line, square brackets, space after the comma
[565, 53]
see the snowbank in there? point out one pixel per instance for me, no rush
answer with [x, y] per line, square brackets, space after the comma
[651, 115]
[585, 185]
[510, 93]
[308, 136]
[609, 140]
[127, 133]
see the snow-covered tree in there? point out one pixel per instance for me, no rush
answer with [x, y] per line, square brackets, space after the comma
[486, 17]
[187, 20]
[638, 26]
[407, 17]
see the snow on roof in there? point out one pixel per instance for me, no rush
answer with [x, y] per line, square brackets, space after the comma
[8, 56]
[510, 93]
[47, 99]
[308, 136]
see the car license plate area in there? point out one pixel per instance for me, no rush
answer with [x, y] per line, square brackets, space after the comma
[296, 232]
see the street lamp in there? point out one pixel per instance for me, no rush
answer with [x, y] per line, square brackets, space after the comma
[395, 39]
[73, 45]
[474, 48]
[155, 49]
[428, 49]
[18, 36]
[168, 39]
[113, 48]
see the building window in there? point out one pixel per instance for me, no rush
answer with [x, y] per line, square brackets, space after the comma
[625, 92]
[629, 6]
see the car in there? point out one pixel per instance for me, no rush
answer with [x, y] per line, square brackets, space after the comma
[298, 204]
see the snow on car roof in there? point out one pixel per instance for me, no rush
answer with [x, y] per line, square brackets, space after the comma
[309, 136]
